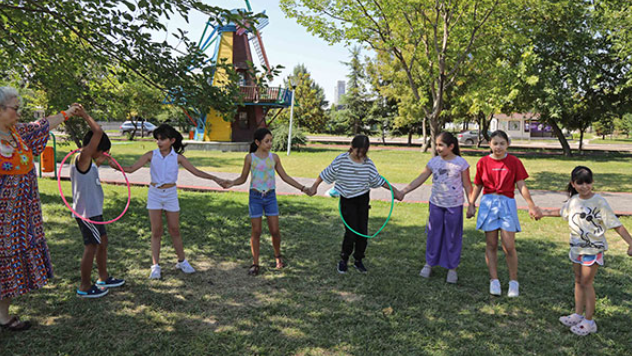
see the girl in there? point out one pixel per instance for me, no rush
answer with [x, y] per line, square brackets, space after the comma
[163, 194]
[354, 174]
[261, 163]
[450, 176]
[588, 216]
[499, 174]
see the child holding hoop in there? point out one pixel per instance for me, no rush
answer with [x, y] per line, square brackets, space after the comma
[354, 174]
[87, 201]
[450, 177]
[497, 176]
[261, 164]
[163, 193]
[589, 216]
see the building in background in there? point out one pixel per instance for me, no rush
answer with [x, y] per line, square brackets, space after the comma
[339, 91]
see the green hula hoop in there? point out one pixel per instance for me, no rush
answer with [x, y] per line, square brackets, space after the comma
[387, 219]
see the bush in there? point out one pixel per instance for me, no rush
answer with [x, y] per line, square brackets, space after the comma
[280, 138]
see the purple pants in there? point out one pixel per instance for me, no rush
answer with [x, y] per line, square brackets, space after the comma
[444, 236]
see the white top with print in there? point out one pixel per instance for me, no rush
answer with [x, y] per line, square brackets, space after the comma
[447, 184]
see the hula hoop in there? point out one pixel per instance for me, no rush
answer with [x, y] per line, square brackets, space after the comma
[387, 219]
[129, 191]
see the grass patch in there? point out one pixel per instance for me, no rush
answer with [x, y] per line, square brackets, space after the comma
[309, 309]
[613, 171]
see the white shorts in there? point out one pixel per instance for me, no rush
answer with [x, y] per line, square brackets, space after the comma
[163, 199]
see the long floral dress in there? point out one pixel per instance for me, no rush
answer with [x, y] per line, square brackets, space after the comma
[25, 262]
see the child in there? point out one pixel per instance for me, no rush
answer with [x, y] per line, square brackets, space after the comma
[450, 176]
[87, 200]
[261, 164]
[499, 174]
[354, 174]
[163, 193]
[588, 216]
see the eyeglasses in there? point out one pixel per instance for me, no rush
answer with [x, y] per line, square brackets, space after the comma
[15, 108]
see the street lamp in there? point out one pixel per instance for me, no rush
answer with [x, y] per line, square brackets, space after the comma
[293, 84]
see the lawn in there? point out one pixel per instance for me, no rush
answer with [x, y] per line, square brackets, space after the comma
[309, 309]
[613, 172]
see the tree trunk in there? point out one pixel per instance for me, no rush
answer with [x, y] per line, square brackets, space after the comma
[410, 136]
[560, 136]
[424, 142]
[581, 140]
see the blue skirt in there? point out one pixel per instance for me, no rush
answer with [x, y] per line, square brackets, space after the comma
[497, 212]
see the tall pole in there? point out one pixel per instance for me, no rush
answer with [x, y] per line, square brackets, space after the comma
[289, 135]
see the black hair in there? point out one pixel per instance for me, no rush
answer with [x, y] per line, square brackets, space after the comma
[104, 144]
[361, 142]
[449, 139]
[260, 134]
[167, 131]
[502, 135]
[579, 175]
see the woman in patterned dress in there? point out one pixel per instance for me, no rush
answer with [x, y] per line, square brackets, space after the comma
[24, 258]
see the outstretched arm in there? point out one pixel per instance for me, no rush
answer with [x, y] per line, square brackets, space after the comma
[423, 176]
[623, 232]
[534, 210]
[551, 213]
[244, 174]
[286, 178]
[196, 172]
[314, 188]
[136, 166]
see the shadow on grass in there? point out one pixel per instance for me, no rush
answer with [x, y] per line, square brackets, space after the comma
[308, 308]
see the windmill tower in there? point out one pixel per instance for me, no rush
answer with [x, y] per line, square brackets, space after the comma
[232, 45]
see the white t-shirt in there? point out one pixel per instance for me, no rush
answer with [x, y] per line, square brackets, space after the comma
[588, 220]
[447, 184]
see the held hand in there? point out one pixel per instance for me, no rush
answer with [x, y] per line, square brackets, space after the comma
[630, 251]
[310, 191]
[471, 211]
[227, 184]
[535, 213]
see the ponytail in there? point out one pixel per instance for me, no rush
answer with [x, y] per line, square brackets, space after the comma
[260, 134]
[580, 175]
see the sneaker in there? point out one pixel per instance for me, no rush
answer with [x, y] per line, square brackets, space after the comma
[360, 266]
[185, 267]
[494, 287]
[571, 320]
[155, 272]
[514, 289]
[584, 328]
[342, 266]
[452, 276]
[111, 282]
[93, 292]
[425, 272]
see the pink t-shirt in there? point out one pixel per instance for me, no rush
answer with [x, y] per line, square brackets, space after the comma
[499, 176]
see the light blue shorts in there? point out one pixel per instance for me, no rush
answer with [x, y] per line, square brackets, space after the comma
[497, 212]
[260, 203]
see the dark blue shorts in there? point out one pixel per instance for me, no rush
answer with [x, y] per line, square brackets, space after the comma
[91, 232]
[263, 203]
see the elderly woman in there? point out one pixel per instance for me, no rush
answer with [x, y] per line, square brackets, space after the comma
[24, 258]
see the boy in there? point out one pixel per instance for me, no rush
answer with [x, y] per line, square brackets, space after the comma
[87, 196]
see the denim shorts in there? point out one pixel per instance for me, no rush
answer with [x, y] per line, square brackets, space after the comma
[497, 212]
[263, 203]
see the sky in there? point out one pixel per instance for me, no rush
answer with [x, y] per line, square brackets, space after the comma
[286, 43]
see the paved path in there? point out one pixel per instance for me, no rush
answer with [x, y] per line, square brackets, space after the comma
[621, 203]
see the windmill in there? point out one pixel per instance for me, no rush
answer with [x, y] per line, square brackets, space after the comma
[231, 45]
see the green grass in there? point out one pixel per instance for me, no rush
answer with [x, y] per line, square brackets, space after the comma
[613, 172]
[608, 140]
[309, 309]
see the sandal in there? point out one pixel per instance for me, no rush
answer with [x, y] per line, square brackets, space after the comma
[16, 325]
[280, 265]
[254, 270]
[584, 328]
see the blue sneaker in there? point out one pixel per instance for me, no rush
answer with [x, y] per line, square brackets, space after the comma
[111, 282]
[342, 267]
[93, 292]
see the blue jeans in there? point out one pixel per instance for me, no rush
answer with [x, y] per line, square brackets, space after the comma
[260, 203]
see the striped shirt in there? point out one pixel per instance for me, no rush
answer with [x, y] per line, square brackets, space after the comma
[352, 179]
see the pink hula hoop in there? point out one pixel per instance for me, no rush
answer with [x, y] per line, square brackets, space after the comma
[129, 191]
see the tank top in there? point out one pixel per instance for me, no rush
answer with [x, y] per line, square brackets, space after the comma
[262, 173]
[163, 170]
[87, 192]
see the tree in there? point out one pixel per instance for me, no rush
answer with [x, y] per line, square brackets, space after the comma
[310, 103]
[355, 101]
[55, 43]
[433, 40]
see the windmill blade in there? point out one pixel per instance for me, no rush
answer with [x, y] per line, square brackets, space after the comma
[257, 42]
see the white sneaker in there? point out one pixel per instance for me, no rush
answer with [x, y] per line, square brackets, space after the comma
[514, 288]
[494, 287]
[425, 272]
[185, 267]
[155, 272]
[571, 320]
[452, 276]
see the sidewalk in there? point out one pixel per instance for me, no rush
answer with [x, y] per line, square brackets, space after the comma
[621, 203]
